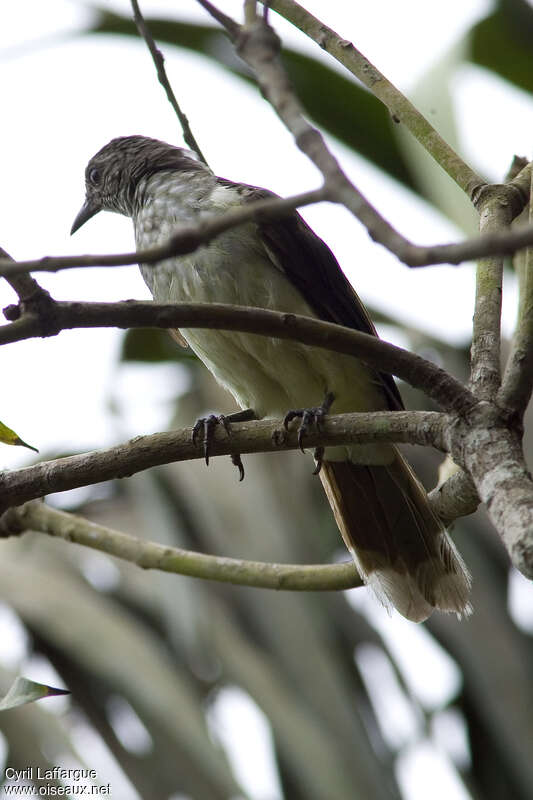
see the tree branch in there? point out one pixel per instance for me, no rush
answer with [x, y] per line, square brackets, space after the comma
[517, 385]
[259, 46]
[266, 436]
[402, 110]
[159, 61]
[189, 238]
[32, 297]
[457, 497]
[36, 516]
[492, 454]
[448, 392]
[227, 22]
[495, 214]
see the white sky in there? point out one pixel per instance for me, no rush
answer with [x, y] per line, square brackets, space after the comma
[61, 103]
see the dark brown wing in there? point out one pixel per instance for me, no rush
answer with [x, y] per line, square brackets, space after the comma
[313, 269]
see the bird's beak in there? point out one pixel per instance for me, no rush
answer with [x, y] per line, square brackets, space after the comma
[88, 210]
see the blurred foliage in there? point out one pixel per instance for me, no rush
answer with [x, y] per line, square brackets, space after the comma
[151, 345]
[502, 42]
[167, 648]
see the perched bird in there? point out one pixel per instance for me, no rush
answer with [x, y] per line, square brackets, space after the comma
[400, 548]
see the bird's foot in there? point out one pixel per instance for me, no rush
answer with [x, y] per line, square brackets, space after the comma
[308, 417]
[204, 429]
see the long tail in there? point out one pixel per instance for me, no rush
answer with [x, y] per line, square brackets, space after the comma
[400, 548]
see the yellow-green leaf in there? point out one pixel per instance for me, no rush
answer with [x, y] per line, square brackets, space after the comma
[7, 436]
[24, 691]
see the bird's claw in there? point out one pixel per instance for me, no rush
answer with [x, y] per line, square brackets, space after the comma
[310, 416]
[207, 426]
[237, 462]
[318, 455]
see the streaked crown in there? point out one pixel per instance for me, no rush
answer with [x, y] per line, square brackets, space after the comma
[113, 174]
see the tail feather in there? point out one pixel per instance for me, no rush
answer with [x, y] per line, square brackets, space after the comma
[400, 548]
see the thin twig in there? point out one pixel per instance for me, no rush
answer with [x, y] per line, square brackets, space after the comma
[188, 238]
[36, 516]
[227, 22]
[159, 61]
[448, 392]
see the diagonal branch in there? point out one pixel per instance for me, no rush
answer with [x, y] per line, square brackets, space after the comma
[402, 110]
[265, 436]
[227, 22]
[446, 390]
[159, 61]
[189, 238]
[259, 46]
[27, 289]
[36, 516]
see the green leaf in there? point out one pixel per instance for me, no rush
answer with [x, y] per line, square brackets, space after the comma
[502, 43]
[25, 691]
[152, 345]
[7, 436]
[336, 103]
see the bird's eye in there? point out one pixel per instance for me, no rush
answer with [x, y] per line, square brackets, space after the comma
[94, 176]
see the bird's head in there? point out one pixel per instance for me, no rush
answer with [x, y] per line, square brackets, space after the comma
[113, 174]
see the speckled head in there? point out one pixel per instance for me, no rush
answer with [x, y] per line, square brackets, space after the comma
[113, 174]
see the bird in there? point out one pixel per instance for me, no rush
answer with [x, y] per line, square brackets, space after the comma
[400, 548]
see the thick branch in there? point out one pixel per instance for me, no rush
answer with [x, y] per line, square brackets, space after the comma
[401, 109]
[36, 516]
[518, 378]
[495, 214]
[142, 452]
[159, 61]
[493, 456]
[448, 392]
[457, 497]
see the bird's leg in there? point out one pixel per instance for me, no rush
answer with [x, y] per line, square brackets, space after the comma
[311, 416]
[207, 426]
